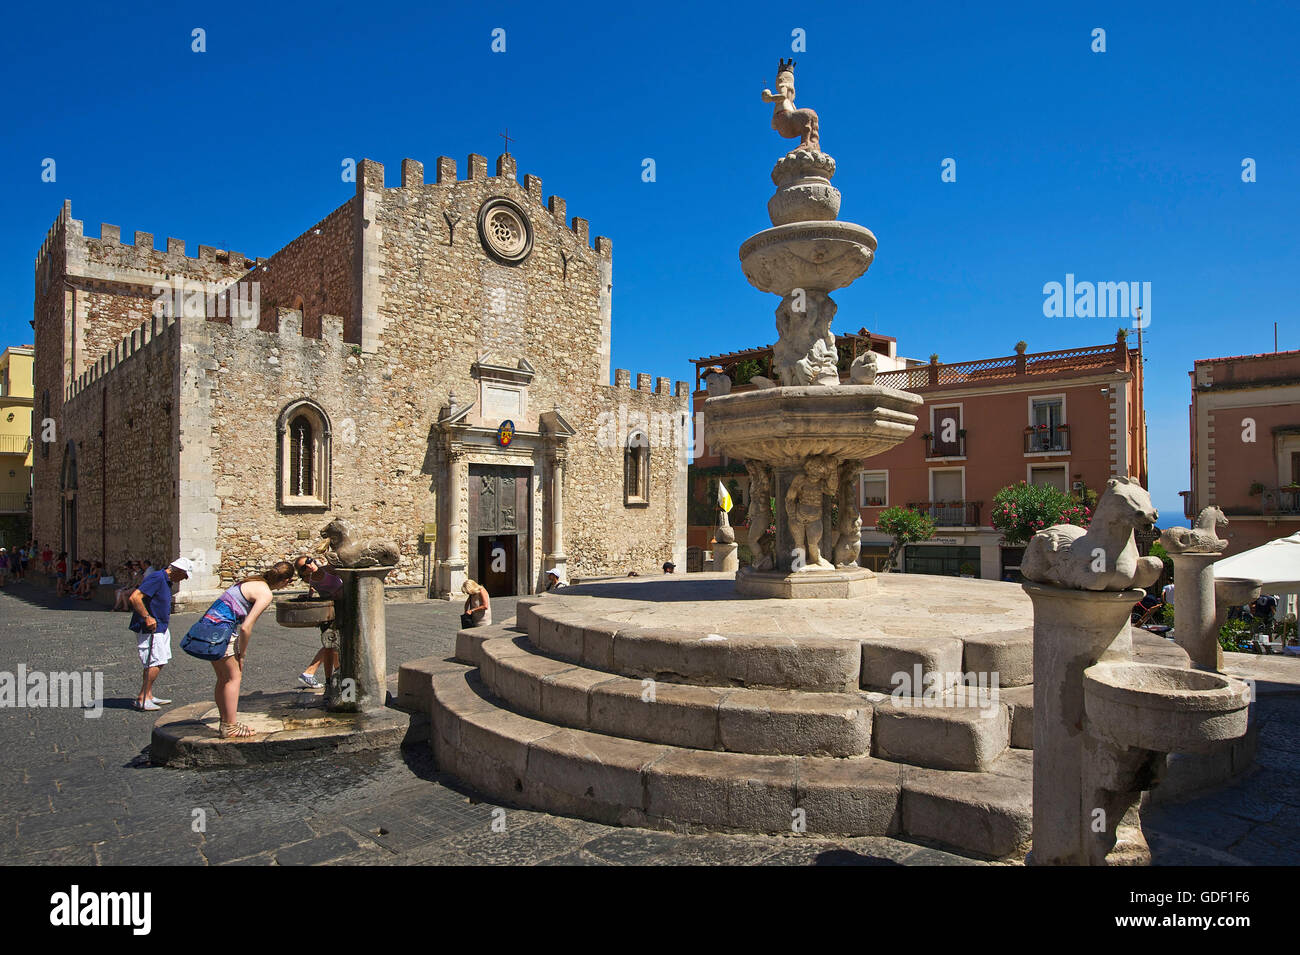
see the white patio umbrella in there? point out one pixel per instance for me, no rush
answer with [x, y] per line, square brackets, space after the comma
[1276, 563]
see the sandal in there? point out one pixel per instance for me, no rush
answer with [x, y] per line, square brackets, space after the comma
[236, 730]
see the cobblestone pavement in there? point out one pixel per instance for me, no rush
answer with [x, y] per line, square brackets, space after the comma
[81, 791]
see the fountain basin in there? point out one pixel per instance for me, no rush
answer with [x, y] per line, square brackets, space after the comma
[303, 613]
[1234, 591]
[786, 426]
[808, 255]
[1164, 709]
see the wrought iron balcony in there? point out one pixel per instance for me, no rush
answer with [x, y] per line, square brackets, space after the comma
[951, 513]
[1281, 500]
[937, 448]
[1038, 440]
[14, 502]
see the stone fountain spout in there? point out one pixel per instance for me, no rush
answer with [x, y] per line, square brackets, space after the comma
[1104, 725]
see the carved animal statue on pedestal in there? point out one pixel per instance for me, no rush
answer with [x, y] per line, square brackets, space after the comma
[791, 123]
[863, 369]
[1201, 539]
[716, 381]
[1103, 557]
[343, 550]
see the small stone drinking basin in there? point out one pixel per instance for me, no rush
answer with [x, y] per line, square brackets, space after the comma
[303, 613]
[1234, 591]
[1163, 709]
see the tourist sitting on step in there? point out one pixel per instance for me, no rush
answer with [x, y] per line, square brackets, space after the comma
[478, 606]
[130, 579]
[555, 579]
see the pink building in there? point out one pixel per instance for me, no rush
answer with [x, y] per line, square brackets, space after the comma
[1071, 418]
[1245, 443]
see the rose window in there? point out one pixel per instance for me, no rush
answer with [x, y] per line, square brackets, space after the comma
[507, 234]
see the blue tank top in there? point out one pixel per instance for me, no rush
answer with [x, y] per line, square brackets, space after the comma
[231, 606]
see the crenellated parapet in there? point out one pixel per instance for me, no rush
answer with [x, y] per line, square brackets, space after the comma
[107, 258]
[370, 177]
[159, 333]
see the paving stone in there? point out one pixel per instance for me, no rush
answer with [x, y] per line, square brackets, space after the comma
[632, 846]
[318, 851]
[75, 791]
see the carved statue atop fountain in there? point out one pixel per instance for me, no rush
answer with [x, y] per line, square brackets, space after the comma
[791, 123]
[805, 352]
[342, 549]
[798, 433]
[1200, 539]
[1104, 556]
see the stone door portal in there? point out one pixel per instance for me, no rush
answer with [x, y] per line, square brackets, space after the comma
[500, 544]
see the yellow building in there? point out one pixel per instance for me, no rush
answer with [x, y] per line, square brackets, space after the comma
[16, 396]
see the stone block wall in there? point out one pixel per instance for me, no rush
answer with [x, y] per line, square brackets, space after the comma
[91, 294]
[313, 273]
[398, 301]
[121, 417]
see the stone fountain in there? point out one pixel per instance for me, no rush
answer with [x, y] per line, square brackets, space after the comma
[349, 717]
[802, 440]
[1105, 725]
[906, 706]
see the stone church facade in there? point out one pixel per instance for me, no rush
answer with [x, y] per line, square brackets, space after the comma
[429, 362]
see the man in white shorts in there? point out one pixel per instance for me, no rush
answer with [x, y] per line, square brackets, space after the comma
[151, 604]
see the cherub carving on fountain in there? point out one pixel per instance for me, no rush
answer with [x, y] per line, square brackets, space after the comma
[804, 509]
[791, 123]
[1103, 557]
[760, 504]
[805, 352]
[848, 538]
[1201, 539]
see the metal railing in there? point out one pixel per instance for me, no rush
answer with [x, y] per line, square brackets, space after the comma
[14, 503]
[1280, 500]
[951, 513]
[934, 375]
[1047, 439]
[935, 448]
[15, 444]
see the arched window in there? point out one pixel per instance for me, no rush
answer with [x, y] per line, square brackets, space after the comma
[636, 470]
[302, 455]
[304, 439]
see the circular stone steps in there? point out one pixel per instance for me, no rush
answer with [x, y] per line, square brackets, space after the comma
[852, 719]
[774, 722]
[526, 762]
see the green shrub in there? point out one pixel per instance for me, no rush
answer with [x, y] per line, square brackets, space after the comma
[1022, 510]
[904, 526]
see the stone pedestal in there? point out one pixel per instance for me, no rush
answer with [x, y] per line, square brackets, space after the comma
[840, 583]
[451, 574]
[1073, 629]
[1231, 592]
[360, 683]
[725, 557]
[1194, 616]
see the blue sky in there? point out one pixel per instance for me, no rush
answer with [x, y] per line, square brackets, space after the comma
[1115, 166]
